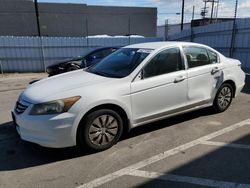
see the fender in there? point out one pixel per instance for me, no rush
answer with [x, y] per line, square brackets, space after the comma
[86, 109]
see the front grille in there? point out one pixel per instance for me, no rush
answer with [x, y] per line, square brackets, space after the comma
[20, 107]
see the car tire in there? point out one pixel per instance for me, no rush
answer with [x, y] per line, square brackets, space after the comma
[100, 130]
[223, 98]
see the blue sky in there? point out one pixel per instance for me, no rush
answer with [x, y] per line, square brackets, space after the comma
[168, 8]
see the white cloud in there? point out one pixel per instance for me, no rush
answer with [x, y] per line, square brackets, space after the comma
[243, 10]
[245, 5]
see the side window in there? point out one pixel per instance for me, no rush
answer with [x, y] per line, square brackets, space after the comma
[196, 56]
[164, 62]
[213, 57]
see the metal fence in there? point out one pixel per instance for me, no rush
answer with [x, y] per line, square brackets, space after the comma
[34, 54]
[220, 36]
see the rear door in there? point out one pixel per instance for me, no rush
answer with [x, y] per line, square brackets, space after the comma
[204, 74]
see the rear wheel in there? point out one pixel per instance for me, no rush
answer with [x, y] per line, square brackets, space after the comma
[223, 98]
[100, 130]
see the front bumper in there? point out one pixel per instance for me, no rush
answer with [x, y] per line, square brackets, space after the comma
[53, 131]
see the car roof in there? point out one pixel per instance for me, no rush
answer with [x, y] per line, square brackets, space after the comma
[158, 45]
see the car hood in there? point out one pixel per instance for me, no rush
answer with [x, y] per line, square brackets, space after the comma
[45, 88]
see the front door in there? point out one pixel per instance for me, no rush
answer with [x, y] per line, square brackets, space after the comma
[162, 88]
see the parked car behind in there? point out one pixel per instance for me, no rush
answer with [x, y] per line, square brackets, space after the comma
[135, 85]
[81, 61]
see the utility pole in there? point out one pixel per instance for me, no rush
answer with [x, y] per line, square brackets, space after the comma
[129, 29]
[37, 18]
[204, 11]
[166, 29]
[234, 30]
[39, 34]
[182, 14]
[193, 13]
[212, 11]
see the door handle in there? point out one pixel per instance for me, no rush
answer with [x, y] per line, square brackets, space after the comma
[214, 70]
[179, 79]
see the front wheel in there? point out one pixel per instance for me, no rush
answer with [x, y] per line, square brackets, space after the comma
[100, 130]
[223, 98]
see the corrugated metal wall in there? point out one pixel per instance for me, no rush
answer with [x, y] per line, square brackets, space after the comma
[33, 54]
[219, 37]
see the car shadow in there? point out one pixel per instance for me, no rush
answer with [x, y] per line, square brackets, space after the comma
[169, 122]
[19, 154]
[202, 164]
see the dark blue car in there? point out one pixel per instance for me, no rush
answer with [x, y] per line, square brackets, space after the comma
[81, 61]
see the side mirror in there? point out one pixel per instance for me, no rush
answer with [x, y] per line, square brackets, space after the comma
[139, 76]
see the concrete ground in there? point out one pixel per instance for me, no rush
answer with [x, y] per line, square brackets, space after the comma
[197, 149]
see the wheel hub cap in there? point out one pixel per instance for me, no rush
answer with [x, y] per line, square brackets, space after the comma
[103, 130]
[225, 97]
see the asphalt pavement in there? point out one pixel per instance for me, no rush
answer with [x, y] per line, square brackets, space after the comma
[196, 149]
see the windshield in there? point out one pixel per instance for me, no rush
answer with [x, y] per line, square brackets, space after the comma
[120, 63]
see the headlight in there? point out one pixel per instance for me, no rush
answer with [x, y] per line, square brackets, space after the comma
[54, 107]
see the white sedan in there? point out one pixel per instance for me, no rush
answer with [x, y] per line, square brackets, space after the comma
[136, 85]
